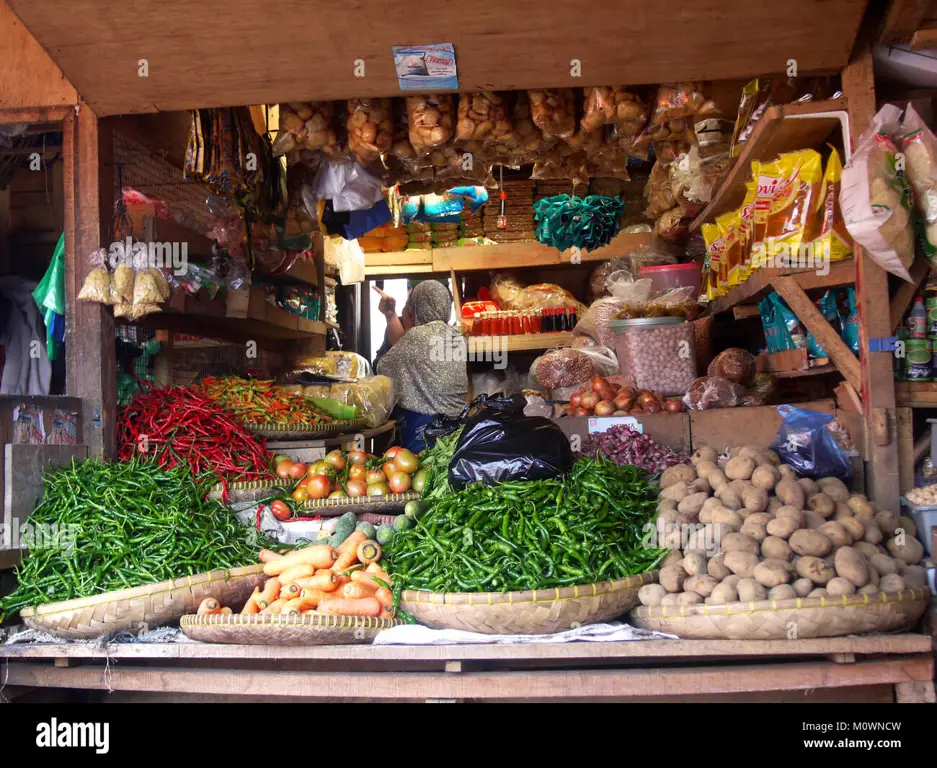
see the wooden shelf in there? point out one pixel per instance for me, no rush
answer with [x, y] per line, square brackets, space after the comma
[302, 271]
[916, 394]
[524, 342]
[793, 364]
[783, 128]
[759, 284]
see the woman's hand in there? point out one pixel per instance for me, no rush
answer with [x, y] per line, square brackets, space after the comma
[387, 305]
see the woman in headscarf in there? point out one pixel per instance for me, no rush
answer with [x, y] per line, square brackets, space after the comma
[426, 362]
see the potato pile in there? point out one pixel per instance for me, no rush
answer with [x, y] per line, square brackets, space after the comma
[749, 529]
[370, 128]
[924, 497]
[431, 121]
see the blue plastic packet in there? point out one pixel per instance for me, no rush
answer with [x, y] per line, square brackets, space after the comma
[804, 442]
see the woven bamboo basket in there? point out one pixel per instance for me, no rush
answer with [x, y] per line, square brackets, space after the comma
[391, 503]
[276, 629]
[249, 490]
[149, 606]
[304, 431]
[536, 612]
[800, 618]
[376, 519]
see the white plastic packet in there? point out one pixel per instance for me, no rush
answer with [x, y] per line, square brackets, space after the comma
[919, 145]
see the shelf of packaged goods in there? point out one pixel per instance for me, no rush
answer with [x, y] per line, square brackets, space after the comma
[782, 128]
[759, 284]
[522, 342]
[302, 271]
[916, 394]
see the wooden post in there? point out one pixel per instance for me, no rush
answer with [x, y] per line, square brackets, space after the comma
[90, 365]
[878, 387]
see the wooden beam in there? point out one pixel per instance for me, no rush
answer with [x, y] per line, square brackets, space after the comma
[877, 386]
[905, 419]
[924, 40]
[902, 20]
[817, 324]
[91, 365]
[18, 115]
[907, 291]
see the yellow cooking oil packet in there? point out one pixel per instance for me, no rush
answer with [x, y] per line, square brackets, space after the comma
[729, 262]
[746, 215]
[793, 186]
[828, 234]
[713, 240]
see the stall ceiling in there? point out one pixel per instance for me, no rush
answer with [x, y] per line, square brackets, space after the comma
[249, 52]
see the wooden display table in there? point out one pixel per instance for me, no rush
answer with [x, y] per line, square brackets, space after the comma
[874, 668]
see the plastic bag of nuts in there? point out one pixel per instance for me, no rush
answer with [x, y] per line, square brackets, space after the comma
[307, 125]
[657, 353]
[431, 121]
[563, 368]
[554, 112]
[370, 128]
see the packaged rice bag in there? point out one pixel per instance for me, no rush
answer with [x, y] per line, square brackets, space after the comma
[920, 149]
[876, 199]
[828, 232]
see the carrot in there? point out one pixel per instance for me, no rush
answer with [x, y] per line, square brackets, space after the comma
[370, 579]
[300, 571]
[208, 606]
[327, 581]
[292, 606]
[290, 591]
[341, 580]
[384, 596]
[317, 555]
[336, 606]
[267, 556]
[314, 596]
[270, 591]
[388, 612]
[344, 561]
[368, 552]
[226, 611]
[354, 591]
[374, 568]
[351, 543]
[251, 605]
[275, 607]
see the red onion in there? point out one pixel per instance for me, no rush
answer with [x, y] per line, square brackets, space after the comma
[624, 445]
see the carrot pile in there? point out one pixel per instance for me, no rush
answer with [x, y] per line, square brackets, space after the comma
[343, 581]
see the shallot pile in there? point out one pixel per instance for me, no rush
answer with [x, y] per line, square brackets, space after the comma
[624, 445]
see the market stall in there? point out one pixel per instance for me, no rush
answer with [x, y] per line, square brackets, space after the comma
[671, 340]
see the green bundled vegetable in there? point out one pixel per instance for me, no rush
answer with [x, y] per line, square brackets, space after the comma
[123, 525]
[522, 535]
[437, 459]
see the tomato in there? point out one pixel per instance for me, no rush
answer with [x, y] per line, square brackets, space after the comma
[374, 476]
[319, 467]
[419, 480]
[281, 510]
[298, 470]
[319, 486]
[357, 457]
[391, 452]
[283, 469]
[339, 494]
[399, 482]
[378, 489]
[302, 483]
[300, 494]
[405, 461]
[357, 488]
[336, 459]
[278, 458]
[357, 472]
[388, 469]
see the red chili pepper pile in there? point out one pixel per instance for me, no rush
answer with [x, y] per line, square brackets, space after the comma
[179, 426]
[257, 401]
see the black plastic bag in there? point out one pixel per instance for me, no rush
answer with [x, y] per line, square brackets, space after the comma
[499, 443]
[804, 442]
[441, 424]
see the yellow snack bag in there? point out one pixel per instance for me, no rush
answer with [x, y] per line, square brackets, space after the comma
[793, 188]
[828, 233]
[746, 223]
[765, 177]
[714, 246]
[729, 259]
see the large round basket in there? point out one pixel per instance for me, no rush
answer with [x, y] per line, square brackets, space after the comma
[249, 490]
[276, 629]
[148, 606]
[304, 431]
[391, 503]
[799, 618]
[536, 612]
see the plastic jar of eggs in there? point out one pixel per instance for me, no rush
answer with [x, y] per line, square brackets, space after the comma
[657, 352]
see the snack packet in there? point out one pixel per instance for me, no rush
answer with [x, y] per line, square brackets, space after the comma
[715, 245]
[828, 233]
[97, 285]
[431, 121]
[920, 149]
[370, 126]
[729, 258]
[746, 224]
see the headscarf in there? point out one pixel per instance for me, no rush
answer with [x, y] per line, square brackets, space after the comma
[429, 301]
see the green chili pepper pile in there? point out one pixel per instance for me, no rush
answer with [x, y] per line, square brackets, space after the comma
[437, 460]
[123, 525]
[521, 535]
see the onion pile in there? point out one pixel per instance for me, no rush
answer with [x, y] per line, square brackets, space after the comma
[623, 445]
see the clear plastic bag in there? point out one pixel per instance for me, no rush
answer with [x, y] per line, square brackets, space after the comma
[623, 286]
[307, 126]
[483, 116]
[506, 290]
[431, 120]
[370, 125]
[709, 392]
[920, 149]
[563, 368]
[594, 322]
[597, 285]
[375, 398]
[604, 360]
[554, 112]
[805, 442]
[616, 106]
[670, 129]
[97, 285]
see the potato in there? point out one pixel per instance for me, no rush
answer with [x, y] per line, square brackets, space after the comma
[802, 587]
[755, 499]
[819, 593]
[666, 504]
[689, 598]
[666, 517]
[854, 527]
[812, 519]
[887, 522]
[710, 504]
[770, 457]
[740, 468]
[732, 578]
[716, 567]
[687, 518]
[775, 548]
[791, 512]
[702, 585]
[908, 525]
[737, 542]
[873, 534]
[669, 536]
[717, 478]
[677, 473]
[868, 589]
[673, 558]
[749, 590]
[860, 505]
[774, 504]
[787, 472]
[727, 517]
[651, 594]
[701, 484]
[692, 504]
[673, 599]
[815, 569]
[840, 586]
[809, 486]
[677, 491]
[694, 563]
[753, 530]
[874, 576]
[836, 533]
[703, 468]
[766, 476]
[724, 593]
[706, 514]
[741, 563]
[782, 527]
[759, 518]
[704, 453]
[842, 512]
[906, 548]
[790, 493]
[915, 577]
[805, 542]
[729, 498]
[834, 488]
[770, 573]
[851, 564]
[892, 582]
[869, 550]
[754, 453]
[822, 504]
[671, 578]
[740, 486]
[782, 592]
